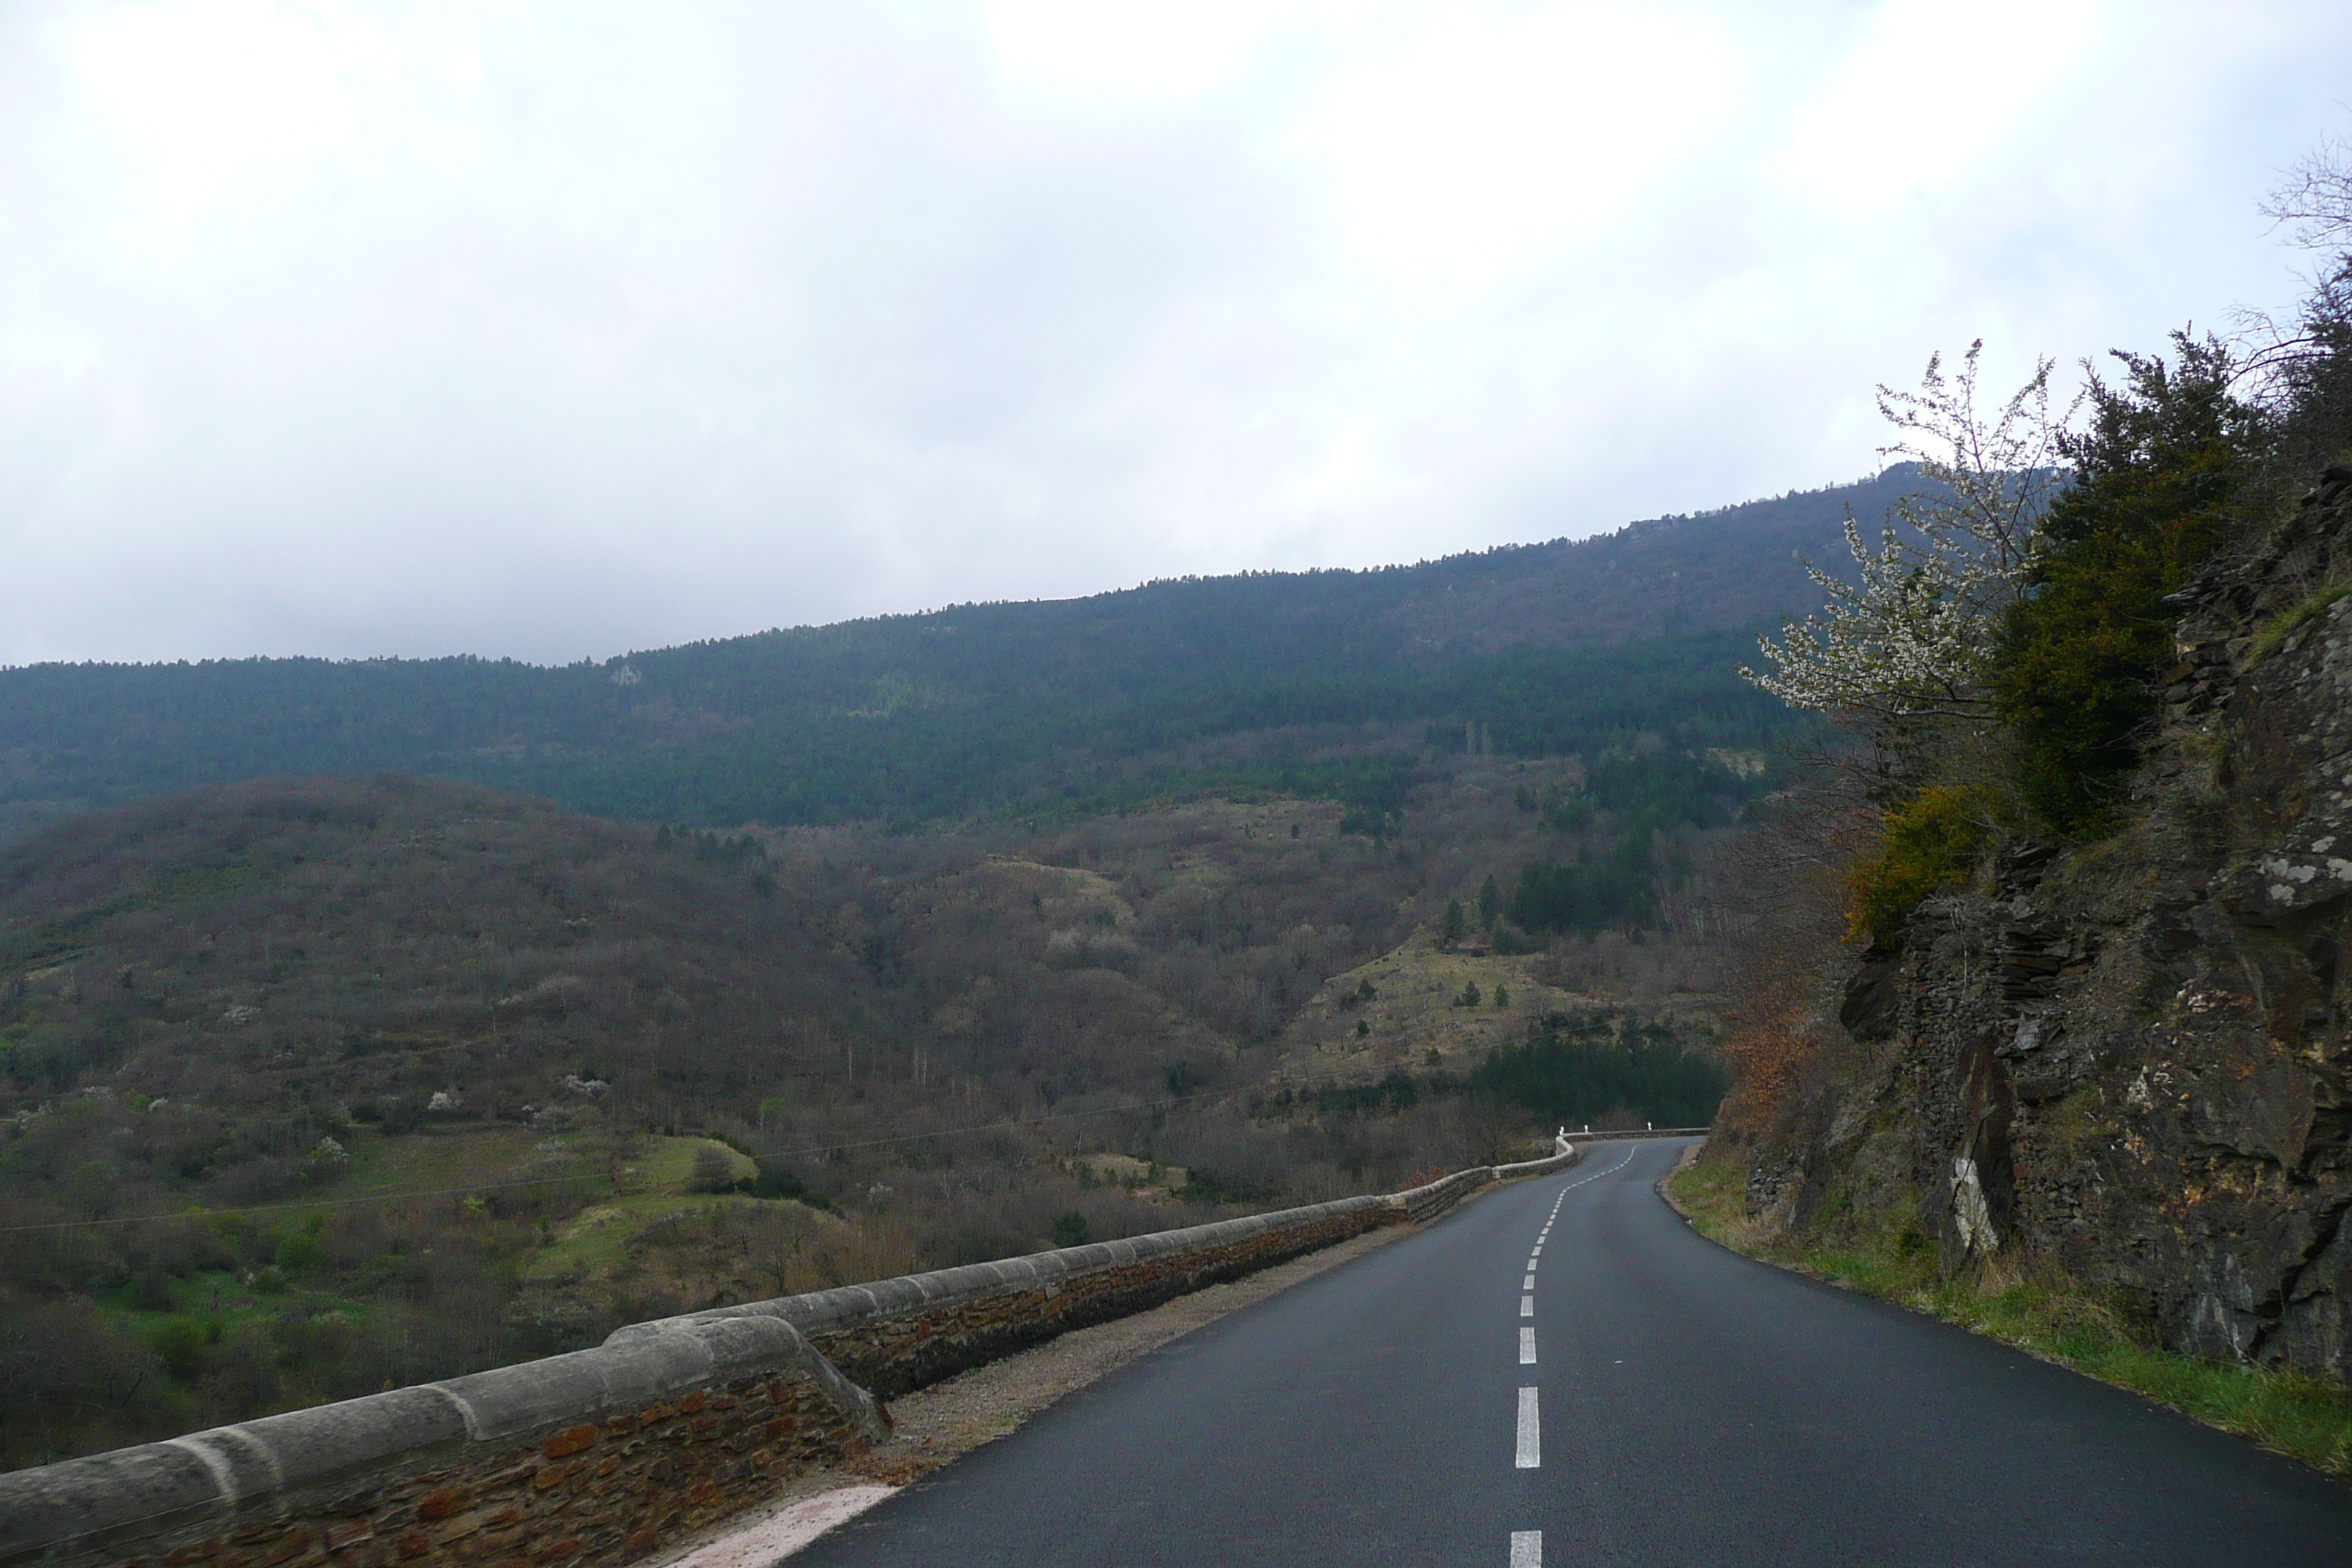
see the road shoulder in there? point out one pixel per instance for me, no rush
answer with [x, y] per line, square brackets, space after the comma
[934, 1427]
[2032, 1304]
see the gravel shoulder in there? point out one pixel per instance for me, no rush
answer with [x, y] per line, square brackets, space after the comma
[937, 1425]
[947, 1420]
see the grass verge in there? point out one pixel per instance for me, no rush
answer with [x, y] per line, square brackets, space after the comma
[2031, 1303]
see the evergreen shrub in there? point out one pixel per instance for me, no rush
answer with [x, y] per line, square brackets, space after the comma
[1932, 844]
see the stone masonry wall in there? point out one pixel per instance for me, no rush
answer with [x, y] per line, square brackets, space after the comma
[605, 1456]
[598, 1493]
[895, 1355]
[592, 1457]
[899, 1335]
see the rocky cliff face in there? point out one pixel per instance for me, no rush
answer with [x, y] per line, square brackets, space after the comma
[2137, 1055]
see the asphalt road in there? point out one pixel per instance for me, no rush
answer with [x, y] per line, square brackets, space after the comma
[1684, 1406]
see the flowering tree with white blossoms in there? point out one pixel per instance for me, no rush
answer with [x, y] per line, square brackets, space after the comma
[1908, 642]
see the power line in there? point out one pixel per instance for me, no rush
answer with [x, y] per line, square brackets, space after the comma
[1016, 1121]
[308, 1203]
[200, 1214]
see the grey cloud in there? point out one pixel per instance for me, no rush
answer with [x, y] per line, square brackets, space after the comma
[610, 328]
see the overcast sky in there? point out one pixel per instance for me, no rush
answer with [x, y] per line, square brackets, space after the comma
[558, 330]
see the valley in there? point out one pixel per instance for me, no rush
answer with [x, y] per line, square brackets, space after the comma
[317, 1085]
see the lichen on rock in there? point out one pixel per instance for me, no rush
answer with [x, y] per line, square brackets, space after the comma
[2134, 1055]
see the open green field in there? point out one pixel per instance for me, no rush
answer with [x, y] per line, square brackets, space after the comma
[654, 1188]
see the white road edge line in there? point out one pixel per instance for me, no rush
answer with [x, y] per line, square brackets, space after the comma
[1526, 1549]
[782, 1534]
[1527, 1347]
[1530, 1456]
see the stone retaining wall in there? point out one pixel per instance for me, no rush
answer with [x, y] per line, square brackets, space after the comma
[898, 1336]
[606, 1456]
[593, 1457]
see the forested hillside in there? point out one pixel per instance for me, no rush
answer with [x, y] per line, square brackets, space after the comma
[311, 1085]
[1055, 707]
[907, 942]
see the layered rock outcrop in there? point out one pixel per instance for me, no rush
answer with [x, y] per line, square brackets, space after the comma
[2136, 1054]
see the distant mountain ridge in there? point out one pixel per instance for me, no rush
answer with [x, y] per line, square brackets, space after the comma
[978, 707]
[1734, 569]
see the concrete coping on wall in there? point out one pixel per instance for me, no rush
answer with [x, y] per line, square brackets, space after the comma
[824, 1311]
[155, 1485]
[135, 1492]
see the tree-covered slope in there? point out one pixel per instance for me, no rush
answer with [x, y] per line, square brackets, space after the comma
[1547, 647]
[307, 1085]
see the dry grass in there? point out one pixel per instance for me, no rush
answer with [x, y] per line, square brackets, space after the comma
[1413, 1010]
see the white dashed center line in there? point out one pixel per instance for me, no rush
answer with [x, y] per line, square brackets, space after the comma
[1527, 1546]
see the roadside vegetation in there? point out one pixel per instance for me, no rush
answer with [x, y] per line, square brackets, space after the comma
[2028, 1302]
[1991, 665]
[1987, 670]
[1991, 670]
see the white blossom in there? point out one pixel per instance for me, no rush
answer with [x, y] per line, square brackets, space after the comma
[1912, 634]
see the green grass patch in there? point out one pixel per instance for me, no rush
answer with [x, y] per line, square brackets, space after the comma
[654, 1188]
[444, 1162]
[2286, 623]
[598, 1237]
[435, 1160]
[667, 1164]
[2031, 1303]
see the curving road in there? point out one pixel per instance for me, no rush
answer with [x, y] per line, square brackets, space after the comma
[1631, 1393]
